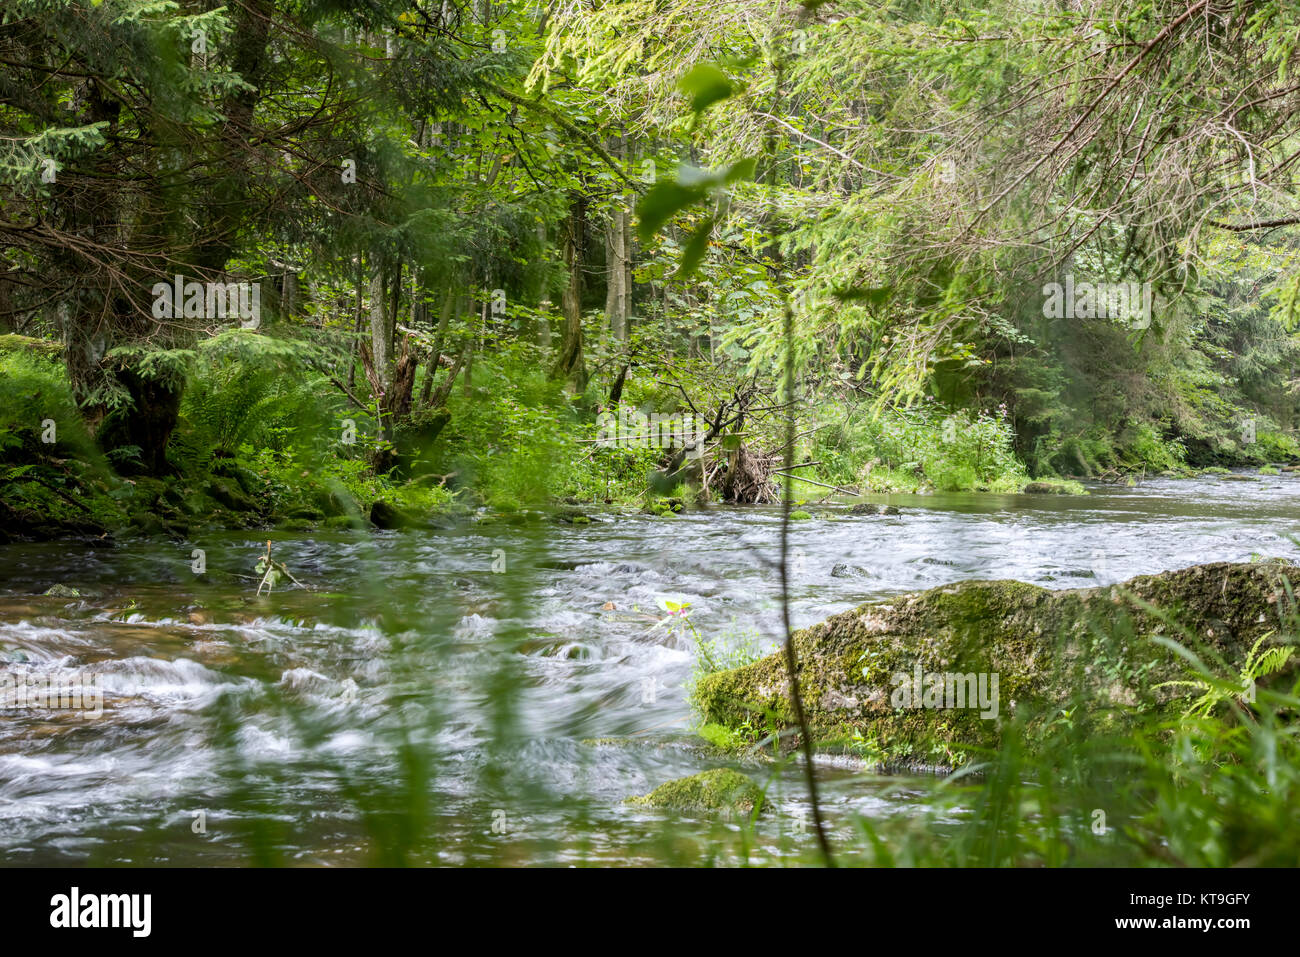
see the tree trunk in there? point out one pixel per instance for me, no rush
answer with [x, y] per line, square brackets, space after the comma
[289, 294]
[618, 259]
[569, 363]
[439, 340]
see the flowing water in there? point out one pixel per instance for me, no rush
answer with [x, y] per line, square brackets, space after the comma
[493, 692]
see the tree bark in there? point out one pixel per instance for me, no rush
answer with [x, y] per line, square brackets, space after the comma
[618, 258]
[569, 362]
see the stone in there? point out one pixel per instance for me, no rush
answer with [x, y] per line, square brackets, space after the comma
[721, 789]
[386, 516]
[1049, 649]
[1045, 488]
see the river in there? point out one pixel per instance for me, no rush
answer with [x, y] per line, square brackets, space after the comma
[491, 693]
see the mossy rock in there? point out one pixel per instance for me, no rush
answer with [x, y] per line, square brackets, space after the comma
[866, 508]
[1049, 649]
[295, 525]
[147, 492]
[798, 515]
[721, 789]
[248, 483]
[343, 521]
[147, 523]
[1046, 488]
[388, 516]
[230, 496]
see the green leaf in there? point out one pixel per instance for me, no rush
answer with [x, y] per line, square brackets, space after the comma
[872, 296]
[705, 84]
[662, 203]
[741, 170]
[696, 247]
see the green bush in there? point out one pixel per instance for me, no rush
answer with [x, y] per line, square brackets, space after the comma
[906, 449]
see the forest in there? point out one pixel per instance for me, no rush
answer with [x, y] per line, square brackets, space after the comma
[650, 432]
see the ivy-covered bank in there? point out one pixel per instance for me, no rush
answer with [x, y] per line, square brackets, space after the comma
[935, 678]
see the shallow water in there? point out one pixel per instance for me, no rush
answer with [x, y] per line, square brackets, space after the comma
[409, 697]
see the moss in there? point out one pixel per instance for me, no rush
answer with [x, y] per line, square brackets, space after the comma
[1046, 647]
[722, 737]
[1054, 488]
[11, 342]
[343, 521]
[799, 515]
[721, 789]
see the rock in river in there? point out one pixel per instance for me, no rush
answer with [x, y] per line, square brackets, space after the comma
[718, 790]
[922, 679]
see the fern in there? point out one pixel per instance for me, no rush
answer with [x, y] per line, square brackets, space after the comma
[248, 390]
[1218, 690]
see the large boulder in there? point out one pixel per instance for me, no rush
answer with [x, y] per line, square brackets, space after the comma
[931, 678]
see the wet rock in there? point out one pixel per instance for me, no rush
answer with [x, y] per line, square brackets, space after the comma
[386, 516]
[1234, 477]
[866, 508]
[344, 521]
[844, 570]
[1046, 488]
[1047, 649]
[721, 789]
[147, 523]
[61, 591]
[295, 525]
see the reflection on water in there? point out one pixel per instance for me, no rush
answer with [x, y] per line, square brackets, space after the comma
[411, 698]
